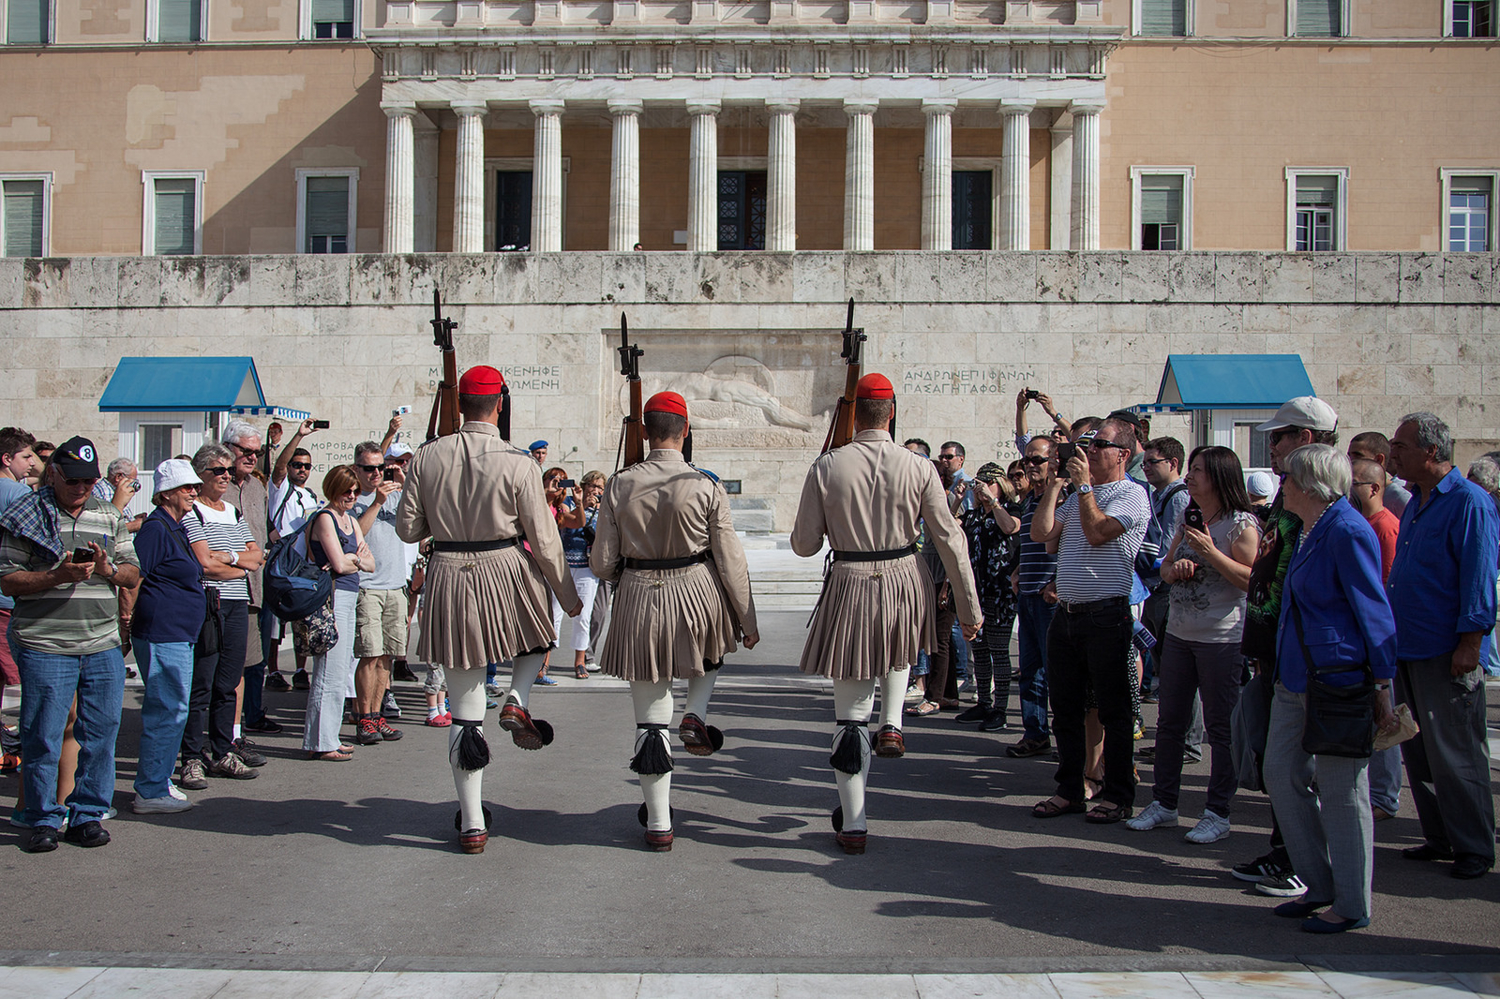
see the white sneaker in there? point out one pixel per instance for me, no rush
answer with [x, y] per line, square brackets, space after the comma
[176, 792]
[1210, 829]
[166, 803]
[1153, 816]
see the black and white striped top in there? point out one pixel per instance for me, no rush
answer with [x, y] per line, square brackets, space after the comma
[1086, 572]
[225, 531]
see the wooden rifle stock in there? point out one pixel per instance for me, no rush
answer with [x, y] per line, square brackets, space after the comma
[841, 430]
[445, 418]
[632, 444]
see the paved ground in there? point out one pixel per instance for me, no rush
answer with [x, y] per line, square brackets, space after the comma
[352, 868]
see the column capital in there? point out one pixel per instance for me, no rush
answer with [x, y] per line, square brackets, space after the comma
[697, 107]
[861, 105]
[783, 105]
[623, 106]
[1016, 105]
[938, 106]
[546, 106]
[465, 109]
[398, 109]
[1086, 107]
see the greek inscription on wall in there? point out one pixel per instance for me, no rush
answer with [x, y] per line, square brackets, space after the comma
[521, 379]
[941, 379]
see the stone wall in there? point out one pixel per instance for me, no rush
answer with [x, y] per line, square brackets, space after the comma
[752, 339]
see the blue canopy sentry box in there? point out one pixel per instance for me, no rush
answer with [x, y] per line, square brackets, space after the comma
[1227, 395]
[172, 405]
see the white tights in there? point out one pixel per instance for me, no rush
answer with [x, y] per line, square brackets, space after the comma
[523, 673]
[854, 700]
[466, 692]
[653, 706]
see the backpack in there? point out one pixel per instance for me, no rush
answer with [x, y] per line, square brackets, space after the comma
[294, 586]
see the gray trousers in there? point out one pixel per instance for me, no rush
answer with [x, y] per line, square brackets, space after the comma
[1448, 762]
[1329, 832]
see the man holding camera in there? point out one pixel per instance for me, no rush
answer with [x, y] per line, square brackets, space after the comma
[380, 618]
[63, 552]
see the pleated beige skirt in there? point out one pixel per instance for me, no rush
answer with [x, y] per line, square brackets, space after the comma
[666, 623]
[483, 607]
[873, 617]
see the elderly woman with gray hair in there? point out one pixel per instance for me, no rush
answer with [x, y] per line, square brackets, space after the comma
[1334, 614]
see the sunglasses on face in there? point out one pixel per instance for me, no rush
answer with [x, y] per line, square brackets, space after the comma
[1096, 445]
[299, 464]
[352, 491]
[1276, 435]
[368, 468]
[82, 482]
[221, 470]
[1158, 461]
[947, 457]
[1035, 460]
[246, 451]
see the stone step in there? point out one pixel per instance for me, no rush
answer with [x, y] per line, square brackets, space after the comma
[755, 520]
[750, 503]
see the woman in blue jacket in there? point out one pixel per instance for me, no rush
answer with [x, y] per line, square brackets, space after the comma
[1334, 585]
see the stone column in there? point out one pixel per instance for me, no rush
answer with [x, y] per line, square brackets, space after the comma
[937, 176]
[1086, 176]
[468, 183]
[625, 175]
[425, 186]
[399, 178]
[546, 177]
[1015, 176]
[859, 175]
[1060, 236]
[703, 177]
[781, 179]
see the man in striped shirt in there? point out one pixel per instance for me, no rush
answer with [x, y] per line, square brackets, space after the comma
[1033, 612]
[1096, 535]
[62, 554]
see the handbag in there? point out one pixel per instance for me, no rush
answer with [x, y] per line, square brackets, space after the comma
[1340, 717]
[318, 633]
[211, 634]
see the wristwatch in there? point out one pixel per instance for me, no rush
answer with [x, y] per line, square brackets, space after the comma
[234, 558]
[1085, 488]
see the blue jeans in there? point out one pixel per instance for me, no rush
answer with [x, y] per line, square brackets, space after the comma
[167, 668]
[48, 684]
[1034, 617]
[961, 653]
[1385, 779]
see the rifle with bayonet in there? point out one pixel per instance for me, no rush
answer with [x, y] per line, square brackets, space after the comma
[841, 430]
[632, 444]
[444, 418]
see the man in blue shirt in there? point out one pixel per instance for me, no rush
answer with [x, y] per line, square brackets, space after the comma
[17, 462]
[1442, 589]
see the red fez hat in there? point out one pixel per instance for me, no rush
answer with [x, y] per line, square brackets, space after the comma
[667, 402]
[874, 386]
[481, 379]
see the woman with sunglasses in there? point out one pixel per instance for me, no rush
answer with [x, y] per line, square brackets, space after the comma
[335, 542]
[227, 551]
[1208, 566]
[168, 619]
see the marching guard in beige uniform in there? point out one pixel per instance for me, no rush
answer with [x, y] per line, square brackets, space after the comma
[487, 599]
[878, 605]
[683, 596]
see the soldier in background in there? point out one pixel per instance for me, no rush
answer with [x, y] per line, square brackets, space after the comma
[486, 601]
[682, 597]
[877, 608]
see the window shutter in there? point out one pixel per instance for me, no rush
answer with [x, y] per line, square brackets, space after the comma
[26, 22]
[175, 216]
[1317, 191]
[22, 223]
[325, 11]
[327, 210]
[1161, 199]
[179, 21]
[1319, 18]
[1164, 17]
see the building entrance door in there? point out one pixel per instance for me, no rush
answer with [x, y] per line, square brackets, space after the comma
[513, 210]
[742, 209]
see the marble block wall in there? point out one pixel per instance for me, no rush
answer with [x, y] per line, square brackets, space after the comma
[752, 339]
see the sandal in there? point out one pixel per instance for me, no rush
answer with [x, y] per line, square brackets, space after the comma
[1050, 809]
[924, 708]
[1108, 812]
[332, 756]
[581, 672]
[1092, 788]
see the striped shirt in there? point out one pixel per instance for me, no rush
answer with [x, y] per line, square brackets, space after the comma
[225, 531]
[1088, 572]
[79, 619]
[1037, 566]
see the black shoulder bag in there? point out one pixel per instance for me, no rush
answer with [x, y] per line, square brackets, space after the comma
[1340, 717]
[211, 635]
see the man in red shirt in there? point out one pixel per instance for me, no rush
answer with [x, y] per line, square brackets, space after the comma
[1368, 496]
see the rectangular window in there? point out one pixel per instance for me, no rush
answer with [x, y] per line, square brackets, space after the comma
[1473, 19]
[158, 442]
[173, 215]
[1319, 18]
[1470, 215]
[742, 209]
[27, 22]
[1164, 17]
[1317, 207]
[973, 208]
[1161, 212]
[179, 20]
[333, 18]
[513, 210]
[23, 219]
[327, 215]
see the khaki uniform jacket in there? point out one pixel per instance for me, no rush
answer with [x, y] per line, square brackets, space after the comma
[868, 496]
[474, 486]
